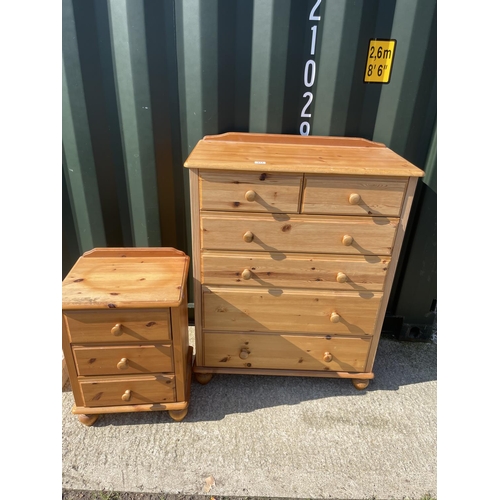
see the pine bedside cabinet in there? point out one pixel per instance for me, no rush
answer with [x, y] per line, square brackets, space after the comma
[295, 246]
[125, 332]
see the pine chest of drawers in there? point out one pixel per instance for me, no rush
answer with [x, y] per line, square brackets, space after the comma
[295, 244]
[125, 332]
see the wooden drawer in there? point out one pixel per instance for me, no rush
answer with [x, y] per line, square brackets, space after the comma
[356, 195]
[294, 270]
[143, 390]
[291, 310]
[111, 360]
[99, 326]
[300, 233]
[289, 352]
[250, 191]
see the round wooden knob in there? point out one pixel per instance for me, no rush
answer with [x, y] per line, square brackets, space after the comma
[126, 395]
[122, 364]
[327, 357]
[250, 195]
[334, 317]
[248, 237]
[341, 278]
[347, 240]
[244, 353]
[117, 329]
[246, 274]
[354, 199]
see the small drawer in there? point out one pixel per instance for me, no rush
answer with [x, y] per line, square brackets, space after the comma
[299, 233]
[345, 195]
[249, 191]
[112, 360]
[337, 272]
[147, 389]
[288, 352]
[289, 310]
[118, 326]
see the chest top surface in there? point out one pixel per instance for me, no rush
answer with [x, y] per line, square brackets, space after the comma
[111, 278]
[304, 154]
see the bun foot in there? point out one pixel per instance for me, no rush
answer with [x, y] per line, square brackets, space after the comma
[360, 384]
[87, 420]
[203, 378]
[178, 415]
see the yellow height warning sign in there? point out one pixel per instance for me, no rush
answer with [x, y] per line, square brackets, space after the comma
[379, 61]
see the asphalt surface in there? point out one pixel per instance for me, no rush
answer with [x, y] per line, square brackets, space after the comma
[287, 437]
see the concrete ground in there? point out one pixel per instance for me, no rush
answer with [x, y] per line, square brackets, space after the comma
[273, 436]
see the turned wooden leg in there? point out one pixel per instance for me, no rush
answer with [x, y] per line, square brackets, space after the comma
[203, 378]
[178, 415]
[360, 384]
[87, 419]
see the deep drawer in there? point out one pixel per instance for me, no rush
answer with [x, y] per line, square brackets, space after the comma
[112, 360]
[299, 233]
[336, 272]
[290, 310]
[357, 195]
[118, 326]
[250, 191]
[128, 390]
[290, 352]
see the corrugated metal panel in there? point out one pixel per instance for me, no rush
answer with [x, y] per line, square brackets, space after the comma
[145, 80]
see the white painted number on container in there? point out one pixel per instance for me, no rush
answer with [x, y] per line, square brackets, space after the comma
[313, 39]
[305, 128]
[310, 71]
[304, 113]
[309, 78]
[312, 15]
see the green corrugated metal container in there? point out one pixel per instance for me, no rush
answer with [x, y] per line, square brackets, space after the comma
[144, 80]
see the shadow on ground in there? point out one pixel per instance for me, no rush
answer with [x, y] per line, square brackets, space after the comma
[397, 364]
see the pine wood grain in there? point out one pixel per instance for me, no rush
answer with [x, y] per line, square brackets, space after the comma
[104, 360]
[145, 389]
[292, 310]
[110, 351]
[135, 326]
[179, 316]
[194, 191]
[294, 270]
[303, 140]
[330, 195]
[410, 193]
[304, 233]
[257, 268]
[274, 192]
[287, 352]
[125, 282]
[312, 158]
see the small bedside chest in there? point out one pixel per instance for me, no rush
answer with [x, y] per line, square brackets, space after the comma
[125, 332]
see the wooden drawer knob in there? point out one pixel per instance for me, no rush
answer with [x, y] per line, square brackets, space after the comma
[246, 274]
[334, 317]
[354, 199]
[347, 240]
[126, 395]
[244, 353]
[327, 357]
[341, 278]
[250, 195]
[117, 329]
[122, 364]
[248, 237]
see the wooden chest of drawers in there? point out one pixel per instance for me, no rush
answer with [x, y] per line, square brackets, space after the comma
[295, 245]
[125, 332]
